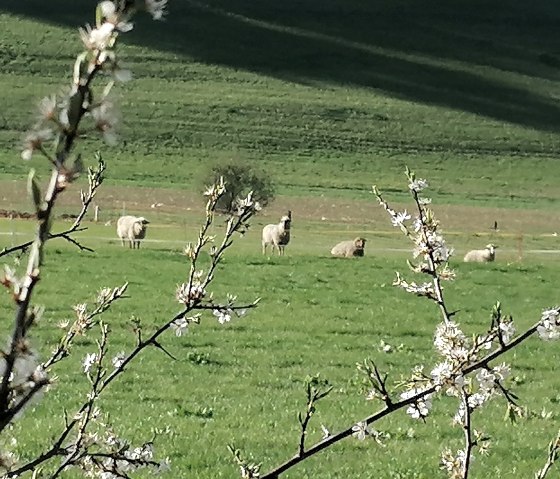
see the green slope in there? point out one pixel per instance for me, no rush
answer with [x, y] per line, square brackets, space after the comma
[329, 96]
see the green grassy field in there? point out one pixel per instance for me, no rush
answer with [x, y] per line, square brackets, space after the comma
[329, 98]
[243, 382]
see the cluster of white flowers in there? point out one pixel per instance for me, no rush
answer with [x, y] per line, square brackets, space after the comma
[436, 243]
[465, 371]
[417, 185]
[549, 327]
[244, 204]
[451, 342]
[424, 289]
[454, 464]
[421, 408]
[488, 385]
[120, 461]
[444, 374]
[399, 218]
[193, 292]
[223, 315]
[215, 190]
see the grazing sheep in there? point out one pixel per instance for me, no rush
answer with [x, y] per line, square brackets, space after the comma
[133, 229]
[481, 255]
[277, 235]
[347, 249]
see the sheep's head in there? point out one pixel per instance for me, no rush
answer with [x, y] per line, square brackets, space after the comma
[491, 248]
[360, 243]
[140, 225]
[286, 221]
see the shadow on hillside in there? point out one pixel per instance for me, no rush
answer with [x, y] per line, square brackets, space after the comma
[431, 52]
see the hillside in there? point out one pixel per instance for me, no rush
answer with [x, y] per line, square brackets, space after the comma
[329, 96]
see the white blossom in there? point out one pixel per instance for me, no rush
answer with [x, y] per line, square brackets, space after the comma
[39, 375]
[450, 341]
[47, 108]
[89, 361]
[507, 330]
[436, 243]
[486, 380]
[399, 218]
[188, 293]
[97, 38]
[360, 430]
[442, 372]
[156, 8]
[421, 408]
[223, 315]
[111, 14]
[34, 141]
[548, 328]
[8, 460]
[418, 185]
[424, 289]
[459, 417]
[454, 463]
[118, 360]
[478, 399]
[179, 326]
[501, 371]
[105, 117]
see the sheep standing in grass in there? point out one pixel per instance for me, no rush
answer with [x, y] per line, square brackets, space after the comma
[347, 249]
[277, 235]
[133, 229]
[481, 255]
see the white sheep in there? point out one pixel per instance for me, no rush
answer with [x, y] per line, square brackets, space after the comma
[485, 255]
[350, 248]
[277, 235]
[133, 229]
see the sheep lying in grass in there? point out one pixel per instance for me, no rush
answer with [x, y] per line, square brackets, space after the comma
[277, 235]
[133, 229]
[350, 248]
[481, 255]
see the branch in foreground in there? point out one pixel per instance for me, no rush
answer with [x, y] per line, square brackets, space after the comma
[329, 441]
[192, 296]
[553, 449]
[95, 178]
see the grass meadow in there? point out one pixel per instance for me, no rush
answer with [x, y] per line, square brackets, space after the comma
[329, 98]
[244, 382]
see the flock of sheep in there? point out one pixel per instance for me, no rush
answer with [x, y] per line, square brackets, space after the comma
[277, 236]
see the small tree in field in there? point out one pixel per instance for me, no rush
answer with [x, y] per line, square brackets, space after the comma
[240, 178]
